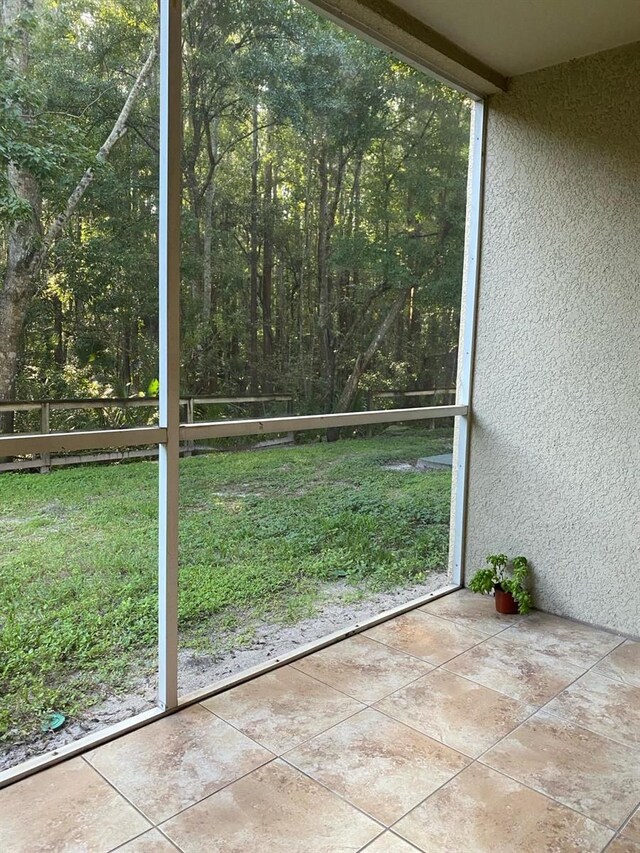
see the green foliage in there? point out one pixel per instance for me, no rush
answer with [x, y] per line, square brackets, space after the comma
[511, 577]
[261, 536]
[394, 147]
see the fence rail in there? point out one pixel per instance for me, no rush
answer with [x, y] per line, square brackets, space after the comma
[131, 402]
[45, 461]
[431, 392]
[191, 430]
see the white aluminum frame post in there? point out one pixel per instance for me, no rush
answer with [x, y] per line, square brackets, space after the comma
[169, 325]
[468, 334]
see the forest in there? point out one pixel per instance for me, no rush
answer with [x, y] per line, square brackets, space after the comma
[324, 186]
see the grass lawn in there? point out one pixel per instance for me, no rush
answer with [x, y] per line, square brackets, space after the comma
[260, 535]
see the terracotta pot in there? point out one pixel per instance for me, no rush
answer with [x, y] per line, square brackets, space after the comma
[505, 602]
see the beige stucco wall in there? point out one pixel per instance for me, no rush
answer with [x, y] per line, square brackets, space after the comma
[555, 452]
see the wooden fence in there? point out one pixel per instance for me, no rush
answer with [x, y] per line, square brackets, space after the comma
[392, 395]
[45, 461]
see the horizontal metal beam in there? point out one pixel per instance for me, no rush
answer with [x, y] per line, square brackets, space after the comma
[63, 442]
[224, 429]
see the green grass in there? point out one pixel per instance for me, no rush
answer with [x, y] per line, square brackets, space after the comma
[259, 534]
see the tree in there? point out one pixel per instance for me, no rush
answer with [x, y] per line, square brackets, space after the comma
[323, 206]
[30, 237]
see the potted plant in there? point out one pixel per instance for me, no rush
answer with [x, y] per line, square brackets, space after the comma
[506, 579]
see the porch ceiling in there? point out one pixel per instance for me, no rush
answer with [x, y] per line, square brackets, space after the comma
[480, 45]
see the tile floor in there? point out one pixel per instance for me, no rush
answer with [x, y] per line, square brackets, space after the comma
[450, 728]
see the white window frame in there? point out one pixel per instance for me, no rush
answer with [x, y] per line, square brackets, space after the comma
[170, 432]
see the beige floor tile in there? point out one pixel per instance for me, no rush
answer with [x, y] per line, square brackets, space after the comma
[579, 768]
[389, 843]
[283, 708]
[381, 766]
[66, 808]
[577, 644]
[524, 674]
[607, 707]
[362, 668]
[632, 828]
[276, 809]
[429, 637]
[623, 845]
[151, 842]
[481, 811]
[455, 711]
[623, 664]
[471, 611]
[171, 764]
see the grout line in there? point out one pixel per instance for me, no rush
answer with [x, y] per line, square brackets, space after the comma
[543, 707]
[464, 621]
[558, 802]
[221, 788]
[518, 782]
[164, 820]
[420, 611]
[472, 761]
[439, 788]
[535, 711]
[630, 746]
[119, 793]
[336, 794]
[300, 672]
[627, 820]
[304, 650]
[389, 716]
[406, 840]
[390, 832]
[142, 834]
[424, 662]
[170, 840]
[291, 748]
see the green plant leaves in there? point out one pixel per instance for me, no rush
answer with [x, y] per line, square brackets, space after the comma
[510, 576]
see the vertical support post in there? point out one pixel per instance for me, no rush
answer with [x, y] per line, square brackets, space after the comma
[468, 335]
[169, 324]
[45, 458]
[190, 420]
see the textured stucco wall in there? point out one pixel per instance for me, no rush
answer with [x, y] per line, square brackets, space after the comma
[555, 452]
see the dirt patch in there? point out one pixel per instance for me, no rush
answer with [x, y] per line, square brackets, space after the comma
[198, 670]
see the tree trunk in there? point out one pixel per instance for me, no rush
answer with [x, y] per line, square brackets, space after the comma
[267, 275]
[364, 359]
[60, 351]
[324, 303]
[23, 237]
[209, 199]
[253, 259]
